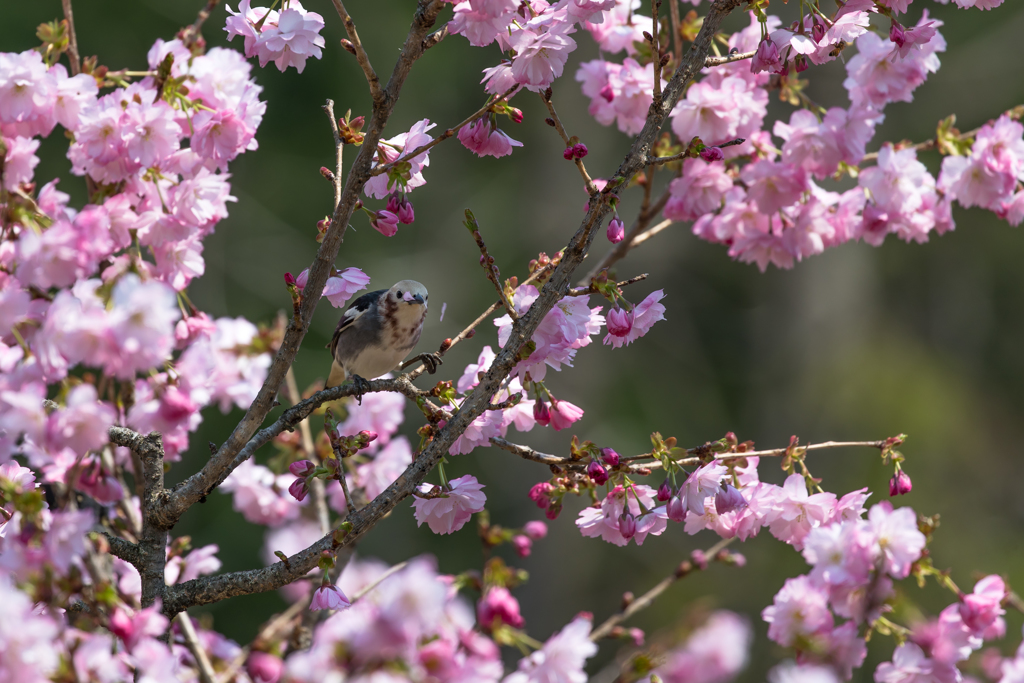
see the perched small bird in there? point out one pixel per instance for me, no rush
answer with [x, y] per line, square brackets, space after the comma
[377, 332]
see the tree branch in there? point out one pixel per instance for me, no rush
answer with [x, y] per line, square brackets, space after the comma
[729, 59]
[645, 600]
[487, 262]
[73, 56]
[546, 96]
[206, 674]
[361, 56]
[201, 483]
[339, 148]
[191, 34]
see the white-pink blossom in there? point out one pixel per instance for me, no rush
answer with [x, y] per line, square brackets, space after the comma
[561, 659]
[453, 508]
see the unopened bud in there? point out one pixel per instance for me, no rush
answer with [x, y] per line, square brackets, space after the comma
[367, 436]
[579, 150]
[610, 457]
[445, 345]
[627, 599]
[700, 560]
[289, 279]
[728, 499]
[900, 484]
[347, 44]
[676, 509]
[567, 154]
[515, 114]
[597, 474]
[550, 121]
[627, 525]
[648, 37]
[665, 491]
[302, 468]
[710, 154]
[327, 173]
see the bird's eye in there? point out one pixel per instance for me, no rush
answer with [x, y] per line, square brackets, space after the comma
[398, 294]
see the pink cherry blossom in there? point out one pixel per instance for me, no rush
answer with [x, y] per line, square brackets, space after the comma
[28, 636]
[703, 483]
[387, 465]
[260, 495]
[20, 161]
[988, 176]
[774, 185]
[767, 58]
[840, 553]
[478, 433]
[644, 315]
[561, 659]
[982, 607]
[876, 80]
[797, 512]
[483, 138]
[900, 541]
[82, 425]
[714, 653]
[799, 610]
[329, 597]
[27, 95]
[564, 414]
[620, 27]
[498, 605]
[219, 136]
[287, 38]
[698, 191]
[451, 511]
[603, 520]
[540, 54]
[910, 665]
[378, 186]
[480, 21]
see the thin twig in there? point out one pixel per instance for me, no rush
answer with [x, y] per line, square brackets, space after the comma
[688, 155]
[73, 56]
[488, 264]
[546, 96]
[191, 34]
[728, 59]
[435, 37]
[317, 485]
[350, 504]
[206, 674]
[778, 452]
[364, 60]
[648, 598]
[378, 581]
[384, 168]
[656, 50]
[586, 291]
[339, 147]
[677, 38]
[267, 633]
[646, 235]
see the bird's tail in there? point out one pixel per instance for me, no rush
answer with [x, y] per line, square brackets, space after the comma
[337, 375]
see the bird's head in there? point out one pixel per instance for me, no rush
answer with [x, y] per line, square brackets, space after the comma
[408, 292]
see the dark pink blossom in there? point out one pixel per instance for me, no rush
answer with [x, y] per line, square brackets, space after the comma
[497, 607]
[597, 474]
[616, 231]
[484, 138]
[644, 314]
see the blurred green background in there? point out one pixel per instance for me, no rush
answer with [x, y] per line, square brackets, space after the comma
[858, 343]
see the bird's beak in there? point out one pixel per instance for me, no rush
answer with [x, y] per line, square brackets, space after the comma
[418, 299]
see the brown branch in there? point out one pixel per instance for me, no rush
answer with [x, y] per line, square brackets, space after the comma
[536, 456]
[647, 599]
[206, 674]
[202, 482]
[339, 147]
[677, 38]
[728, 59]
[688, 155]
[779, 452]
[384, 168]
[587, 291]
[435, 37]
[213, 588]
[656, 50]
[192, 33]
[546, 96]
[127, 551]
[73, 56]
[487, 263]
[323, 514]
[364, 60]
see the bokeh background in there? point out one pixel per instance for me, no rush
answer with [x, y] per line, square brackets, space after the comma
[858, 343]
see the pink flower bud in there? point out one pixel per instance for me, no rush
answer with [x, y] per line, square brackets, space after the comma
[607, 93]
[522, 545]
[393, 203]
[386, 223]
[676, 509]
[301, 279]
[568, 154]
[728, 499]
[406, 215]
[616, 230]
[515, 114]
[329, 596]
[541, 414]
[289, 279]
[637, 635]
[766, 58]
[699, 559]
[619, 321]
[539, 494]
[710, 154]
[302, 468]
[298, 489]
[738, 559]
[817, 30]
[367, 435]
[627, 525]
[597, 473]
[610, 457]
[664, 491]
[801, 64]
[553, 510]
[536, 529]
[264, 667]
[579, 150]
[897, 33]
[498, 605]
[900, 484]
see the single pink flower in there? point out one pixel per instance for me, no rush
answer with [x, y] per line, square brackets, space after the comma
[451, 511]
[329, 596]
[496, 607]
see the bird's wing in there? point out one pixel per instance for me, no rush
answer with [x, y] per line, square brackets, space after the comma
[353, 313]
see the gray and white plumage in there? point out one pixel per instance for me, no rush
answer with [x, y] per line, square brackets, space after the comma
[377, 332]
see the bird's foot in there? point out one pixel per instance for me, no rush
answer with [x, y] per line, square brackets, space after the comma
[430, 360]
[362, 387]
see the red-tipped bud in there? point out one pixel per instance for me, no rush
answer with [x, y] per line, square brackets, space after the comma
[665, 491]
[699, 559]
[710, 154]
[900, 484]
[289, 279]
[298, 489]
[627, 525]
[522, 544]
[541, 413]
[607, 93]
[515, 114]
[347, 44]
[367, 436]
[597, 474]
[356, 124]
[610, 457]
[302, 468]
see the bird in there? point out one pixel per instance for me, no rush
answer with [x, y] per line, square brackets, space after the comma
[376, 332]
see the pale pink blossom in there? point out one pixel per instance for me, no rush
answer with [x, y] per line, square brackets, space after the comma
[260, 495]
[797, 512]
[988, 177]
[287, 38]
[74, 94]
[27, 95]
[28, 636]
[540, 54]
[150, 132]
[791, 672]
[982, 608]
[198, 562]
[719, 112]
[82, 424]
[20, 161]
[480, 21]
[840, 553]
[479, 433]
[799, 610]
[774, 185]
[620, 27]
[644, 315]
[564, 414]
[603, 521]
[618, 92]
[561, 659]
[714, 653]
[385, 467]
[483, 138]
[698, 191]
[219, 136]
[329, 597]
[703, 483]
[450, 512]
[874, 79]
[910, 665]
[499, 78]
[898, 537]
[396, 148]
[141, 325]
